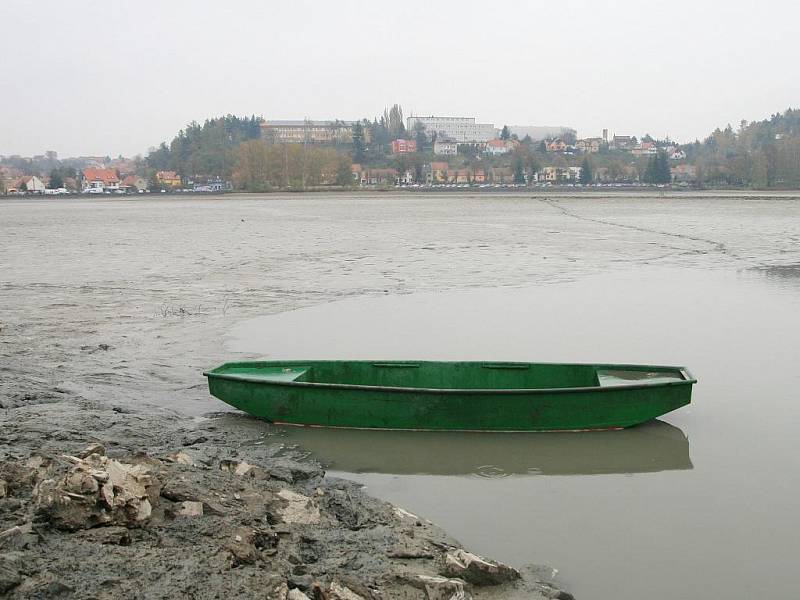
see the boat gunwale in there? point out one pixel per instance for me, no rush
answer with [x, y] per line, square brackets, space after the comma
[689, 379]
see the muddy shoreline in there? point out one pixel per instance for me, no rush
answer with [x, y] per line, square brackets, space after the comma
[110, 311]
[107, 321]
[226, 511]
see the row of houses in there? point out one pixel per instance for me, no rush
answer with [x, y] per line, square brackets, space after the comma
[441, 173]
[96, 180]
[621, 143]
[100, 181]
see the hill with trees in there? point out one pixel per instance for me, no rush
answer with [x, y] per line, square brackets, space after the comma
[205, 150]
[761, 154]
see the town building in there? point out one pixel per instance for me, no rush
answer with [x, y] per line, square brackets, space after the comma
[556, 145]
[133, 184]
[307, 132]
[406, 177]
[645, 149]
[96, 180]
[459, 129]
[444, 147]
[401, 146]
[677, 154]
[501, 175]
[590, 145]
[31, 184]
[436, 173]
[559, 174]
[212, 185]
[458, 175]
[168, 178]
[623, 142]
[379, 177]
[497, 147]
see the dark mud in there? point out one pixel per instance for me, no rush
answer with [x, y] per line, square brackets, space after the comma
[230, 512]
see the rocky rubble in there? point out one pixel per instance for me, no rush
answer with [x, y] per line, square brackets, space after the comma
[91, 519]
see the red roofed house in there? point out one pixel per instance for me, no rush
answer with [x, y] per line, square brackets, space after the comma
[495, 147]
[97, 181]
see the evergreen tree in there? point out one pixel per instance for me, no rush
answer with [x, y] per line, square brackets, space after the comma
[519, 171]
[420, 136]
[650, 172]
[56, 181]
[505, 133]
[663, 175]
[587, 175]
[358, 142]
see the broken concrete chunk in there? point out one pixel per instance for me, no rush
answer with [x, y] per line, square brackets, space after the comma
[81, 482]
[241, 547]
[299, 509]
[79, 501]
[404, 515]
[94, 448]
[338, 591]
[475, 569]
[243, 469]
[296, 594]
[278, 593]
[180, 458]
[439, 588]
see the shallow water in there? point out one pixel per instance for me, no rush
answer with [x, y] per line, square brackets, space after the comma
[701, 499]
[702, 502]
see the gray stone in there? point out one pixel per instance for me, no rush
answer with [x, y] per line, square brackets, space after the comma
[475, 569]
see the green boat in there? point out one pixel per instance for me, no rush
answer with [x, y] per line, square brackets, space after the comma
[455, 396]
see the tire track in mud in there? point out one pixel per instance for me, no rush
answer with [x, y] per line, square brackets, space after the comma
[716, 245]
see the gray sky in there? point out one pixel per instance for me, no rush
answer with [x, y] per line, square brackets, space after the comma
[113, 76]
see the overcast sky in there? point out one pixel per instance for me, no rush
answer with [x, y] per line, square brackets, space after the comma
[117, 77]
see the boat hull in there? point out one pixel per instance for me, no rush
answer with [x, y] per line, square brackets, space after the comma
[387, 407]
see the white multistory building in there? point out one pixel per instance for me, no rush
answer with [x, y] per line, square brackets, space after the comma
[459, 129]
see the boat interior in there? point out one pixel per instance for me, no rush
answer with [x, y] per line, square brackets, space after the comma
[453, 375]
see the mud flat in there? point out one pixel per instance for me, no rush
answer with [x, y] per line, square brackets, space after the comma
[118, 483]
[102, 502]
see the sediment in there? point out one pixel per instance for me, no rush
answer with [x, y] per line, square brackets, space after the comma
[116, 482]
[148, 505]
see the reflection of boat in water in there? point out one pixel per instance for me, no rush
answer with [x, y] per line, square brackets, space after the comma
[647, 448]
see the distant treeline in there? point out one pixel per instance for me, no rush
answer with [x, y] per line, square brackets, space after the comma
[762, 154]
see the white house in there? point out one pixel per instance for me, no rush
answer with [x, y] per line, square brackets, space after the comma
[678, 155]
[495, 147]
[33, 185]
[445, 148]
